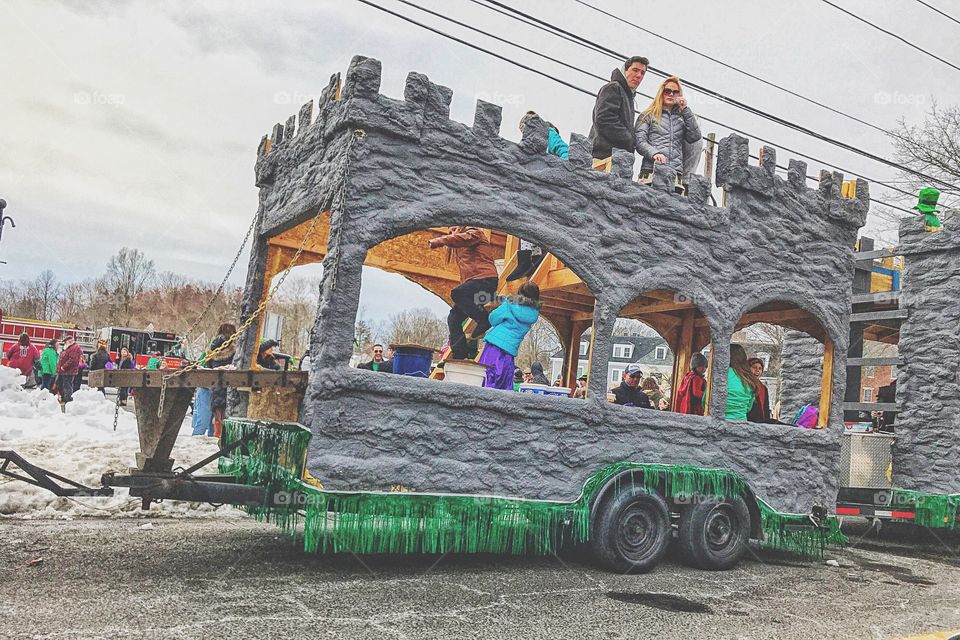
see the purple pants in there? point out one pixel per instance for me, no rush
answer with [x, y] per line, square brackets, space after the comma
[499, 367]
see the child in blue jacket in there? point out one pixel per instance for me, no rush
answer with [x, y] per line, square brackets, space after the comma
[511, 321]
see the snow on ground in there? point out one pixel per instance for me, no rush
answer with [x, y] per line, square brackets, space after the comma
[82, 445]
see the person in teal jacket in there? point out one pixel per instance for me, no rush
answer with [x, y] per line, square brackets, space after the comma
[742, 385]
[511, 321]
[48, 365]
[530, 255]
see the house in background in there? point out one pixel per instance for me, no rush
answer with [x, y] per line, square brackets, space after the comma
[872, 378]
[652, 353]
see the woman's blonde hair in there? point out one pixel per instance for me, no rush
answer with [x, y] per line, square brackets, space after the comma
[655, 111]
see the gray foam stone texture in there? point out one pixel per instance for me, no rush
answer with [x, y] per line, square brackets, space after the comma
[387, 167]
[927, 448]
[801, 373]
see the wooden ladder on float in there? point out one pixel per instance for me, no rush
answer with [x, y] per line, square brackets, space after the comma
[548, 264]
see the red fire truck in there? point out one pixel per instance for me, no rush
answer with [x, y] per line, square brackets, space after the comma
[142, 345]
[41, 332]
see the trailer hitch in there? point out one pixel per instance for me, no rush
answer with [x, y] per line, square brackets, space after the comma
[45, 479]
[182, 484]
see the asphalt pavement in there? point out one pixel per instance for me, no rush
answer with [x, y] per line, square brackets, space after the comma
[217, 578]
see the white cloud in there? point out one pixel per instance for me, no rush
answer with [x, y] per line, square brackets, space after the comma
[135, 123]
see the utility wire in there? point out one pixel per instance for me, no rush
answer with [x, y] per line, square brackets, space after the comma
[619, 56]
[892, 35]
[737, 69]
[602, 79]
[593, 94]
[944, 14]
[592, 47]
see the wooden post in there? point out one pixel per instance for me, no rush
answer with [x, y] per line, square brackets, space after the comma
[573, 353]
[709, 374]
[708, 161]
[593, 333]
[826, 384]
[158, 434]
[682, 356]
[274, 266]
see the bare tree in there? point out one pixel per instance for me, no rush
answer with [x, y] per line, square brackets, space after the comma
[631, 327]
[933, 148]
[417, 326]
[363, 336]
[540, 343]
[46, 290]
[128, 275]
[297, 302]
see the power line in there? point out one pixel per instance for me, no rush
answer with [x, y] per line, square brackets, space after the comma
[737, 69]
[944, 14]
[613, 54]
[892, 35]
[598, 49]
[592, 94]
[619, 56]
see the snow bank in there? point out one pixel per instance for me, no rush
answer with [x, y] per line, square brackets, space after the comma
[82, 445]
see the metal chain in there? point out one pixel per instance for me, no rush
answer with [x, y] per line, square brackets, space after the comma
[223, 283]
[116, 410]
[358, 134]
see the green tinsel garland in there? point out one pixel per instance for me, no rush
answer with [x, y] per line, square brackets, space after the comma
[937, 511]
[411, 522]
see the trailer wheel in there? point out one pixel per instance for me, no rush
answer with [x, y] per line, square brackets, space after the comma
[631, 532]
[714, 532]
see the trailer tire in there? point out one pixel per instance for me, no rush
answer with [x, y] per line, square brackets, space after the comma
[631, 532]
[714, 532]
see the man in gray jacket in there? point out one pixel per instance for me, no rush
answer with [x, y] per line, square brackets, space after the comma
[613, 113]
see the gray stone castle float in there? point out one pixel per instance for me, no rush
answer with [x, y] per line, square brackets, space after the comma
[386, 167]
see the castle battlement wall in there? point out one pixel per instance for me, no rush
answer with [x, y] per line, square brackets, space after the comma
[385, 167]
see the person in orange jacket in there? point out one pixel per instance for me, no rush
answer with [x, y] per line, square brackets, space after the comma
[479, 278]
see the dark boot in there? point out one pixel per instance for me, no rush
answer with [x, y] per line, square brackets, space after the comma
[481, 328]
[534, 263]
[523, 265]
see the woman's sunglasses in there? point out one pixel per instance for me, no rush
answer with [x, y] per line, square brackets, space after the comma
[671, 92]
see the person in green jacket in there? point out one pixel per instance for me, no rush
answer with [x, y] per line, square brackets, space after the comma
[155, 361]
[48, 365]
[742, 385]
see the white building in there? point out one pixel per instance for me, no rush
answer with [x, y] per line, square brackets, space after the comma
[651, 353]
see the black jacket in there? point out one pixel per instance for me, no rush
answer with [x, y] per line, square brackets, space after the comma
[125, 363]
[613, 119]
[99, 360]
[386, 366]
[225, 357]
[626, 394]
[760, 412]
[538, 376]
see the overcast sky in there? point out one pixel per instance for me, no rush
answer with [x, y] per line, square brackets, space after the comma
[136, 123]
